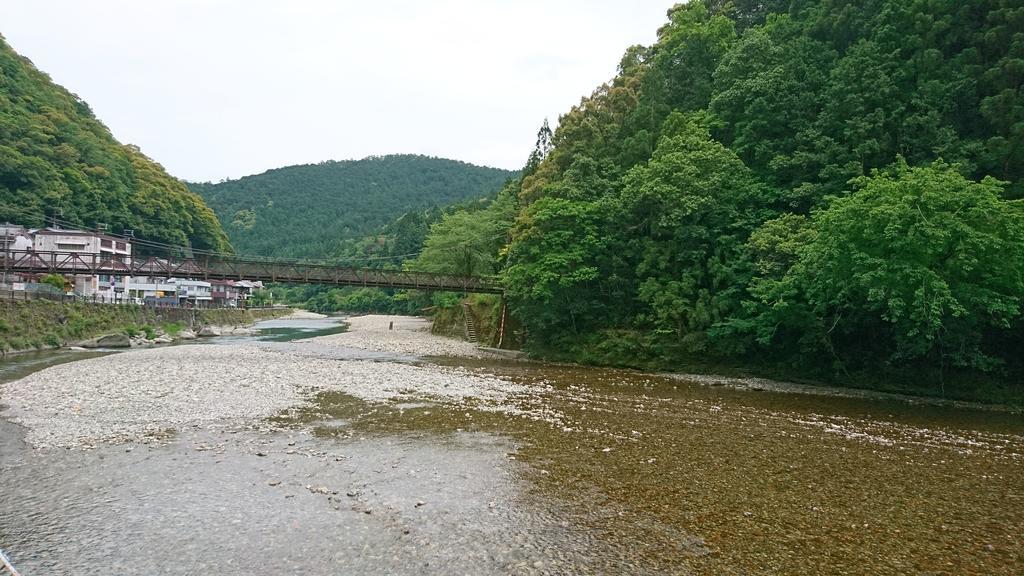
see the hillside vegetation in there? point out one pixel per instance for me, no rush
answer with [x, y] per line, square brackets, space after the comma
[37, 324]
[316, 210]
[57, 159]
[818, 188]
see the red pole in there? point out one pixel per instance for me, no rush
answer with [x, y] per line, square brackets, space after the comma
[501, 328]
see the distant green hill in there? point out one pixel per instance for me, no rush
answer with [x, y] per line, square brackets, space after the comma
[310, 211]
[57, 159]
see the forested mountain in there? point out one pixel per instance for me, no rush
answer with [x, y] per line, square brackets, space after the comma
[57, 159]
[315, 210]
[823, 186]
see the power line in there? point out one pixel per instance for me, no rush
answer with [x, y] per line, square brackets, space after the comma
[213, 253]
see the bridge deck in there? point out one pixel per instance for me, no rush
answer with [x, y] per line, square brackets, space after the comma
[229, 268]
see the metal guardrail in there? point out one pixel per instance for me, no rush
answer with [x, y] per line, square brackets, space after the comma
[25, 295]
[6, 568]
[229, 268]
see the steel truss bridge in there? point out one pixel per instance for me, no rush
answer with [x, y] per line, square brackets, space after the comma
[238, 268]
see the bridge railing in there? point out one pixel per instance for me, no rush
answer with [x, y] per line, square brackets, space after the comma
[238, 268]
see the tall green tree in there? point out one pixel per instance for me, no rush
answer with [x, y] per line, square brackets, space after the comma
[554, 268]
[691, 209]
[540, 150]
[735, 189]
[467, 243]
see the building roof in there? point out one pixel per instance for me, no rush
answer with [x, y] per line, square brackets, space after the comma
[186, 282]
[8, 229]
[69, 232]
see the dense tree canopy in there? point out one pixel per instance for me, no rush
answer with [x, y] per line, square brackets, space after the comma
[824, 185]
[58, 160]
[917, 263]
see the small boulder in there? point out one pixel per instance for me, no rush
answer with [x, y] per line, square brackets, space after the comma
[108, 341]
[207, 331]
[163, 339]
[187, 335]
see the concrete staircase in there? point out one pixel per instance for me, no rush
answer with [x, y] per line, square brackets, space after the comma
[470, 323]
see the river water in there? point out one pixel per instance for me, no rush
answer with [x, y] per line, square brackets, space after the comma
[612, 472]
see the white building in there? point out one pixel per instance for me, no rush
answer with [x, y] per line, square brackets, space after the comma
[14, 238]
[91, 245]
[59, 240]
[14, 242]
[142, 287]
[192, 291]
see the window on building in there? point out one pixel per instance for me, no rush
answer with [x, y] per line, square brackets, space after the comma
[70, 246]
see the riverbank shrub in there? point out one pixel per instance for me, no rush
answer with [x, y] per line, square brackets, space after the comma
[172, 329]
[55, 280]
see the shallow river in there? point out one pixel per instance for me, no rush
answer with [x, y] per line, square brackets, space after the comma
[607, 472]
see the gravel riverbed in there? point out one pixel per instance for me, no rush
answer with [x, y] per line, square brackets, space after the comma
[143, 395]
[400, 335]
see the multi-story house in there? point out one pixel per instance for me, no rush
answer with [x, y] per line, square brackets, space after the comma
[192, 292]
[115, 252]
[61, 240]
[225, 293]
[246, 288]
[153, 289]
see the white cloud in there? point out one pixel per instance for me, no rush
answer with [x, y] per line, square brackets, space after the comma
[225, 88]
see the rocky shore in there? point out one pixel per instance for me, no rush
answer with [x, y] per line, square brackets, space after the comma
[144, 395]
[159, 336]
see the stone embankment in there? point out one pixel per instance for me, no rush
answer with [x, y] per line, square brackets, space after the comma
[40, 324]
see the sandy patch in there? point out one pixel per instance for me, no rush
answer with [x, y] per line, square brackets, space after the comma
[400, 335]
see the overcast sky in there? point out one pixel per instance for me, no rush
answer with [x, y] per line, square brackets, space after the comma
[218, 89]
